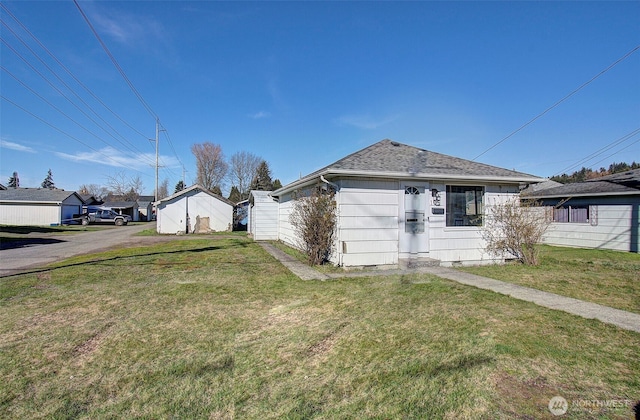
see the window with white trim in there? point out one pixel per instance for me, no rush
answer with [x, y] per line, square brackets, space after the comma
[571, 214]
[465, 205]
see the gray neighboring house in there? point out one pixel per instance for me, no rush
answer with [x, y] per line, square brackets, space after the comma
[123, 207]
[145, 207]
[38, 206]
[397, 202]
[599, 213]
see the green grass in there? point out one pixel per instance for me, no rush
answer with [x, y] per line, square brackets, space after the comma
[215, 328]
[610, 278]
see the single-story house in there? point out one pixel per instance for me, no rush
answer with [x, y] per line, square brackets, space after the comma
[396, 202]
[598, 213]
[194, 210]
[38, 206]
[263, 216]
[145, 207]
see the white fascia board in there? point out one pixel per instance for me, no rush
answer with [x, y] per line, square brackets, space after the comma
[402, 175]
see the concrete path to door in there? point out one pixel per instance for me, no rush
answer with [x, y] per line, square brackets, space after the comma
[622, 319]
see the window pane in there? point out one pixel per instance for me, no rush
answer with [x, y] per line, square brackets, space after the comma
[579, 215]
[561, 215]
[464, 205]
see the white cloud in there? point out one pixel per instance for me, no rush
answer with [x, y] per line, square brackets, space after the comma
[364, 122]
[15, 146]
[127, 28]
[260, 114]
[113, 157]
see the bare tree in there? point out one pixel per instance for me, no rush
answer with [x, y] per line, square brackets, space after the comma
[124, 188]
[514, 228]
[163, 189]
[210, 164]
[242, 168]
[98, 191]
[314, 218]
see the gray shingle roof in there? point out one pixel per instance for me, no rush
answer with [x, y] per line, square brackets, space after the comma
[626, 183]
[395, 159]
[42, 195]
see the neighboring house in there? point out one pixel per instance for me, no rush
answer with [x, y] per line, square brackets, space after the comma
[145, 207]
[90, 200]
[124, 207]
[598, 213]
[38, 206]
[263, 216]
[194, 210]
[398, 202]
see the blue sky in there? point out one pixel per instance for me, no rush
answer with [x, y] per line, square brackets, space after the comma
[303, 84]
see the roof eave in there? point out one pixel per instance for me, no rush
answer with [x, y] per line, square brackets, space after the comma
[403, 175]
[598, 194]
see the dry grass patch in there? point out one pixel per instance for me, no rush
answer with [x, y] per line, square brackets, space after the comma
[218, 329]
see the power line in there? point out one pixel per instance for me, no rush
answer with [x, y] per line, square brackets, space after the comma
[115, 63]
[603, 150]
[560, 101]
[19, 55]
[62, 131]
[124, 75]
[69, 71]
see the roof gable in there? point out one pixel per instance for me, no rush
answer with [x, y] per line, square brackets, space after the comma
[393, 159]
[196, 188]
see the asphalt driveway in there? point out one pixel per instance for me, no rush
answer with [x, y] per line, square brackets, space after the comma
[39, 253]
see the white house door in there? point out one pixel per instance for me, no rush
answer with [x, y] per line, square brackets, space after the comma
[413, 236]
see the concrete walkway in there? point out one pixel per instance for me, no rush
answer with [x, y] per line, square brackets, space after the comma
[622, 319]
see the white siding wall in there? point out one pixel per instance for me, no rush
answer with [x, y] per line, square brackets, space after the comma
[464, 245]
[29, 215]
[39, 214]
[368, 222]
[368, 225]
[286, 232]
[171, 217]
[172, 214]
[263, 218]
[613, 230]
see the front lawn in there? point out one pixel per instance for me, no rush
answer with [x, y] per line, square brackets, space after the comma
[216, 328]
[610, 278]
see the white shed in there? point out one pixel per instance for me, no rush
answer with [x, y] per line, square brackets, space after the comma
[38, 206]
[263, 216]
[194, 210]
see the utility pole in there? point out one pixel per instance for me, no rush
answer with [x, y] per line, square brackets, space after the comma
[157, 138]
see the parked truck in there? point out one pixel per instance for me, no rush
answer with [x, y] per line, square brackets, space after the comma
[102, 216]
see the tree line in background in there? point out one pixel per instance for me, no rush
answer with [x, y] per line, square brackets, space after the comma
[244, 171]
[585, 174]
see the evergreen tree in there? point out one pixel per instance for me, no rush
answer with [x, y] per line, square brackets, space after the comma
[216, 190]
[179, 186]
[262, 180]
[14, 181]
[277, 184]
[234, 195]
[48, 181]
